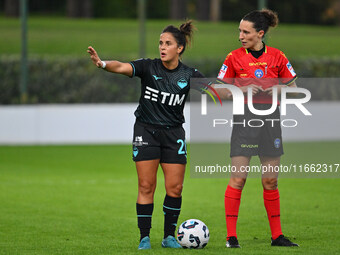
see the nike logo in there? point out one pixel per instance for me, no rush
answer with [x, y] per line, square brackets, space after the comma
[157, 78]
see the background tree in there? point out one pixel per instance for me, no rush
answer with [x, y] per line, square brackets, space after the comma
[215, 10]
[12, 8]
[203, 7]
[79, 8]
[336, 7]
[178, 9]
[325, 12]
[332, 13]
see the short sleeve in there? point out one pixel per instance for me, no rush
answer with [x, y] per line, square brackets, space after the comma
[197, 74]
[139, 67]
[200, 82]
[286, 71]
[227, 70]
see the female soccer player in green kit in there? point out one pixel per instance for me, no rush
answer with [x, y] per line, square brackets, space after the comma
[159, 138]
[246, 66]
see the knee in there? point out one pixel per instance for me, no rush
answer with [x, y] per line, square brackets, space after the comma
[174, 190]
[269, 183]
[237, 183]
[146, 188]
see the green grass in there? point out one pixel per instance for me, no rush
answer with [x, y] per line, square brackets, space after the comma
[119, 38]
[81, 200]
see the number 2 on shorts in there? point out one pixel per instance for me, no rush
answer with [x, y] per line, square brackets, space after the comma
[183, 146]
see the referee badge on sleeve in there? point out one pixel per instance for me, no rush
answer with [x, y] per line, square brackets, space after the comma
[222, 72]
[291, 69]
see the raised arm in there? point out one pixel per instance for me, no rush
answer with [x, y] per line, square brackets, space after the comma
[110, 66]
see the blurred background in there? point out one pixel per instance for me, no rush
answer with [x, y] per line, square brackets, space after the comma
[43, 58]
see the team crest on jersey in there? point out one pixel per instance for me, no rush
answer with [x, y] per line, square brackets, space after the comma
[291, 69]
[222, 72]
[182, 83]
[258, 73]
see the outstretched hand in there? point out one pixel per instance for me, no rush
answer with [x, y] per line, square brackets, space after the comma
[94, 56]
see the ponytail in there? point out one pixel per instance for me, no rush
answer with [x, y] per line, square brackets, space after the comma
[183, 35]
[263, 19]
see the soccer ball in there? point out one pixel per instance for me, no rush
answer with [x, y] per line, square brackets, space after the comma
[193, 234]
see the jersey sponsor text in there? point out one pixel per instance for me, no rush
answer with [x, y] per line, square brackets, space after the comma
[165, 97]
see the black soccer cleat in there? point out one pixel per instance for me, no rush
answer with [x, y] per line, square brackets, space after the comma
[283, 241]
[232, 242]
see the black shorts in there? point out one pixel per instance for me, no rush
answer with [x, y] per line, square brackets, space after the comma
[159, 142]
[257, 135]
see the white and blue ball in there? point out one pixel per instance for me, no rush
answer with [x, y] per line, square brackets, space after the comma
[193, 234]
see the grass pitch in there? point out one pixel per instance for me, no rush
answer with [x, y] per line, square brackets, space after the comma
[81, 200]
[119, 39]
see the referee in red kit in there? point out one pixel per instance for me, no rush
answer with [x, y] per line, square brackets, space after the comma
[252, 64]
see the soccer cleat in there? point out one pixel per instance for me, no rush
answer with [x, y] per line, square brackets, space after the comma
[232, 242]
[171, 242]
[283, 241]
[144, 244]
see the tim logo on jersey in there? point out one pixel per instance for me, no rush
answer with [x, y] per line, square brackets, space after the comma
[164, 97]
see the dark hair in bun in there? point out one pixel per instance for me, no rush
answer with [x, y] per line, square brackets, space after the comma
[262, 19]
[183, 35]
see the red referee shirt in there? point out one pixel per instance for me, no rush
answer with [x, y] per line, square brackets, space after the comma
[271, 64]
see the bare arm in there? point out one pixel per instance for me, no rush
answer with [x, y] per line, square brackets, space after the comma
[226, 94]
[279, 87]
[111, 66]
[292, 85]
[222, 92]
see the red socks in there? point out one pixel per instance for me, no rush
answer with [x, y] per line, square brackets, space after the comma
[232, 200]
[272, 204]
